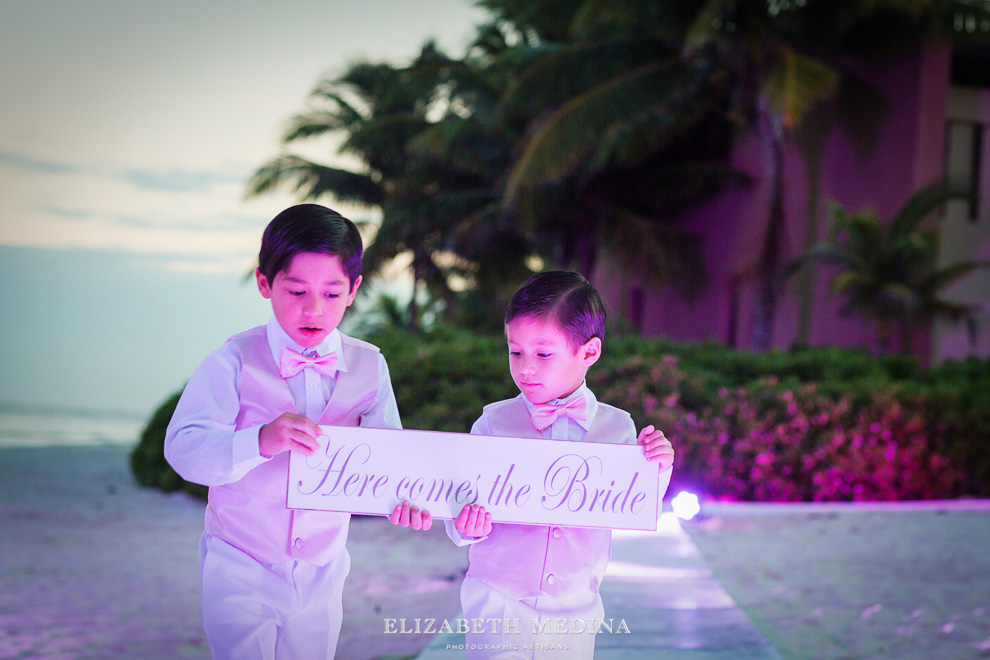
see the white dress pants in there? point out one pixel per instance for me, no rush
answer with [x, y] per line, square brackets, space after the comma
[286, 611]
[503, 628]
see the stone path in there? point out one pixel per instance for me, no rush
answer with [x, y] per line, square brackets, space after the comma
[674, 607]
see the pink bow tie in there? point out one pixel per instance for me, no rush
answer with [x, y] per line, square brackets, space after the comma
[292, 363]
[545, 414]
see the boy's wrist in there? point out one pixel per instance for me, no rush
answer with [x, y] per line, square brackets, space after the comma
[247, 446]
[261, 452]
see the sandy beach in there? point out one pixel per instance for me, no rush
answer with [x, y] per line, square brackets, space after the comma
[94, 567]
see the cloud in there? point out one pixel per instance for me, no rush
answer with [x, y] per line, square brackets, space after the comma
[175, 180]
[62, 212]
[180, 212]
[181, 181]
[29, 164]
[194, 223]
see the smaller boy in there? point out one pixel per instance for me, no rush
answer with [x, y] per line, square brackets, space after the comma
[272, 578]
[554, 325]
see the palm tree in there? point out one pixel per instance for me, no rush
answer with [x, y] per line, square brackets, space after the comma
[469, 151]
[378, 109]
[890, 271]
[639, 79]
[788, 58]
[618, 136]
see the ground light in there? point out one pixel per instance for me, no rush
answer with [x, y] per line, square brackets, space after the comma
[685, 505]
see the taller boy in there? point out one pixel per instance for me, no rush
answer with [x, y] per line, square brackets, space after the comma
[272, 578]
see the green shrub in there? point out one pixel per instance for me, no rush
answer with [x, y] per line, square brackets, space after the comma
[148, 456]
[807, 424]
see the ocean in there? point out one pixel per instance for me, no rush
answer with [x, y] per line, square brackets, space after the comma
[36, 426]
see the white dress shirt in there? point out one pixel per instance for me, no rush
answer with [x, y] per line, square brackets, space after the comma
[201, 442]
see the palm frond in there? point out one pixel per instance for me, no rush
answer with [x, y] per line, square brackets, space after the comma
[913, 7]
[924, 201]
[861, 109]
[664, 190]
[465, 145]
[898, 299]
[951, 311]
[862, 230]
[312, 181]
[831, 253]
[689, 125]
[330, 93]
[465, 80]
[704, 28]
[657, 252]
[667, 20]
[851, 281]
[795, 82]
[550, 20]
[949, 275]
[548, 208]
[570, 134]
[562, 75]
[314, 124]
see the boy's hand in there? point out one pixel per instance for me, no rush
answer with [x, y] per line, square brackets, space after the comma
[473, 521]
[289, 432]
[656, 447]
[410, 516]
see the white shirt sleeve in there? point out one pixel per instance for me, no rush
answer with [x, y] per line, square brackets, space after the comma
[201, 443]
[384, 411]
[632, 433]
[483, 426]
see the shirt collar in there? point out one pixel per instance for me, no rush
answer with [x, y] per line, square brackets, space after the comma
[589, 397]
[278, 339]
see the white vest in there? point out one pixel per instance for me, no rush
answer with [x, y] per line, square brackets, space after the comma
[524, 561]
[250, 513]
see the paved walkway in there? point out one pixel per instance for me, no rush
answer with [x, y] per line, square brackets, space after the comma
[674, 607]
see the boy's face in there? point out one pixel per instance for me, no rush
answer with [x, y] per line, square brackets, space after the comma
[543, 364]
[309, 297]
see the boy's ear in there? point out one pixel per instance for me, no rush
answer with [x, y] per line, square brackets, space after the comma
[263, 285]
[354, 290]
[591, 350]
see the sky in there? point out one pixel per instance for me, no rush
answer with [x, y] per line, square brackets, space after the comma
[128, 131]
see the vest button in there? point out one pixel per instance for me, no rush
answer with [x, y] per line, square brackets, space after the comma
[551, 579]
[298, 544]
[557, 533]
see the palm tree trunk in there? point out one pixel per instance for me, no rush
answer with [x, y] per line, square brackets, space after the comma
[586, 250]
[810, 139]
[884, 334]
[768, 268]
[413, 310]
[907, 335]
[806, 278]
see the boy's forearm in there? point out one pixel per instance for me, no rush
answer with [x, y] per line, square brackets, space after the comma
[202, 443]
[212, 457]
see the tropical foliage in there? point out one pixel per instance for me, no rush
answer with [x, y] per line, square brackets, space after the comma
[890, 271]
[574, 126]
[378, 110]
[811, 424]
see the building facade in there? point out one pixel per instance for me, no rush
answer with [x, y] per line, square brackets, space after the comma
[936, 123]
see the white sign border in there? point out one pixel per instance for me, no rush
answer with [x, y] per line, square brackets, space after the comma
[444, 454]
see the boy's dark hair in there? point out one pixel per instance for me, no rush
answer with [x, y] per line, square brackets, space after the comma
[565, 298]
[310, 228]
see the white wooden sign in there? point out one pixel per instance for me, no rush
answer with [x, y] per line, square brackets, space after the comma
[519, 480]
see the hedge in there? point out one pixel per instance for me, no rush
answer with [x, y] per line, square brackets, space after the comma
[812, 424]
